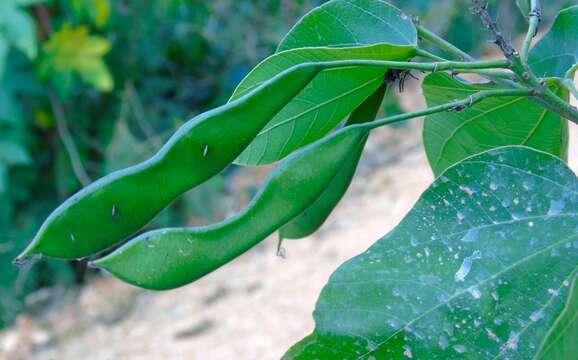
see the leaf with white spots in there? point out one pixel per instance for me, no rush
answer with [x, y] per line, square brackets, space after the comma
[479, 269]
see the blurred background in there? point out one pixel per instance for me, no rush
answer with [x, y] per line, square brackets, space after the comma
[92, 86]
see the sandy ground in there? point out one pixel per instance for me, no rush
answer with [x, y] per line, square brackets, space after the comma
[253, 308]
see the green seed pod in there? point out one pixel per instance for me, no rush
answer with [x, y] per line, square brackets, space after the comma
[116, 206]
[169, 258]
[315, 215]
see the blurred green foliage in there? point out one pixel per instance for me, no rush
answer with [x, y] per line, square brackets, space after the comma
[91, 86]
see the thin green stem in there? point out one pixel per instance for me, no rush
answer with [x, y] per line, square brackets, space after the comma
[490, 73]
[64, 134]
[534, 21]
[456, 105]
[428, 55]
[467, 66]
[443, 44]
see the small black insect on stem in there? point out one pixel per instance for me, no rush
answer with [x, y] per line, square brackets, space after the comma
[393, 75]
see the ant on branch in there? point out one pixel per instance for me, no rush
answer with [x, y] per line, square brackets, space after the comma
[400, 76]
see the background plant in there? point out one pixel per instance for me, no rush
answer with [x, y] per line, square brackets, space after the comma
[542, 141]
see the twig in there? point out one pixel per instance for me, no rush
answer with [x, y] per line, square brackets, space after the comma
[64, 135]
[139, 114]
[534, 18]
[43, 18]
[525, 75]
[481, 9]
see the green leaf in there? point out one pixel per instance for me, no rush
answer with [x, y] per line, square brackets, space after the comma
[557, 52]
[74, 51]
[97, 11]
[315, 214]
[17, 28]
[479, 269]
[12, 153]
[451, 137]
[3, 56]
[351, 23]
[561, 344]
[337, 30]
[31, 2]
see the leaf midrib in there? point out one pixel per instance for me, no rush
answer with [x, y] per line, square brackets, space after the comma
[320, 105]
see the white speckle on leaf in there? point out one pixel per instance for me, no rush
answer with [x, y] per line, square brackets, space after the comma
[461, 216]
[492, 335]
[537, 315]
[475, 292]
[528, 185]
[471, 235]
[408, 352]
[466, 266]
[443, 343]
[371, 346]
[553, 292]
[460, 349]
[513, 340]
[556, 207]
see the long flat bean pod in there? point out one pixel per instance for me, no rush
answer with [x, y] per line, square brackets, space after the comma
[169, 258]
[111, 208]
[315, 215]
[116, 206]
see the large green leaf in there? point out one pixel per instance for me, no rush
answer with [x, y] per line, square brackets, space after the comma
[351, 23]
[557, 52]
[479, 269]
[451, 137]
[337, 30]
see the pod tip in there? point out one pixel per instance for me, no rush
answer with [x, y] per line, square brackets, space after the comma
[26, 259]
